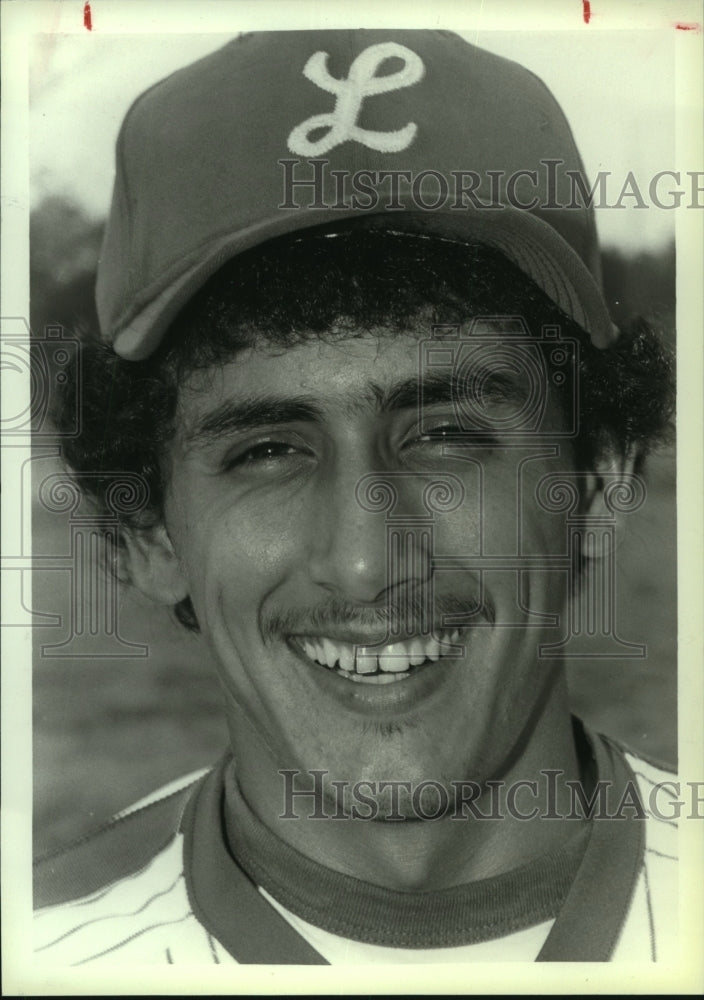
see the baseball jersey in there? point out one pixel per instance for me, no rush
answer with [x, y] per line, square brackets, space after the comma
[174, 881]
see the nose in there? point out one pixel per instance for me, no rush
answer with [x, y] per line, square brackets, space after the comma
[363, 555]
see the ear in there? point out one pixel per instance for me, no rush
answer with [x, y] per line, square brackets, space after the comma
[610, 470]
[152, 566]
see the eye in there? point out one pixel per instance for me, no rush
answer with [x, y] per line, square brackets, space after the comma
[264, 454]
[438, 438]
[439, 433]
[267, 451]
[442, 432]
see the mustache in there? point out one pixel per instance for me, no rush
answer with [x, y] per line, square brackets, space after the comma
[428, 610]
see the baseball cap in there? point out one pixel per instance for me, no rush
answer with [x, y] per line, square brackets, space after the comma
[279, 132]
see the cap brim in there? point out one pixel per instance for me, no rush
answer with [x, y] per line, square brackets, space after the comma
[530, 242]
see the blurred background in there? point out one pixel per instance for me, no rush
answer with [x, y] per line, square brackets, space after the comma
[111, 728]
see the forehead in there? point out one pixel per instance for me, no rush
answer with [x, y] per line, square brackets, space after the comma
[324, 367]
[317, 379]
[355, 377]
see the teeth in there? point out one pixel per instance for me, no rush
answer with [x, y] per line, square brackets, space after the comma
[347, 658]
[417, 654]
[330, 653]
[366, 663]
[393, 660]
[396, 659]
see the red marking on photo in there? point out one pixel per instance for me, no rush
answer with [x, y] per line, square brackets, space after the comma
[692, 26]
[586, 11]
[87, 17]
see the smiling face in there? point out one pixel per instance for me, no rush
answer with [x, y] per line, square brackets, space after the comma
[340, 644]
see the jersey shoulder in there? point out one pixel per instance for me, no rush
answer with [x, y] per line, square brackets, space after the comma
[653, 913]
[120, 894]
[116, 849]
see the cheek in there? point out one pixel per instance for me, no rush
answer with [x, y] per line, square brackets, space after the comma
[234, 556]
[517, 521]
[501, 513]
[502, 519]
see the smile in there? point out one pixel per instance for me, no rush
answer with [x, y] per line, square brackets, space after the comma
[383, 665]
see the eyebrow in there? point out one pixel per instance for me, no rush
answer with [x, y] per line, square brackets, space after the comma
[448, 387]
[233, 417]
[248, 414]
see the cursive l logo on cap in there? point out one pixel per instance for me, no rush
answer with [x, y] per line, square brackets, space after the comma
[362, 81]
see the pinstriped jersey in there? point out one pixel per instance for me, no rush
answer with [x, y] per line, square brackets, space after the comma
[156, 914]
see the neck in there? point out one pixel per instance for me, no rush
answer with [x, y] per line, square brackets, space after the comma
[486, 835]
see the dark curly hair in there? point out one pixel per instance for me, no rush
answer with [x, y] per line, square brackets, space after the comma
[335, 287]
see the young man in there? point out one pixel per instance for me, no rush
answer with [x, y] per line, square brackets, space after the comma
[354, 343]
